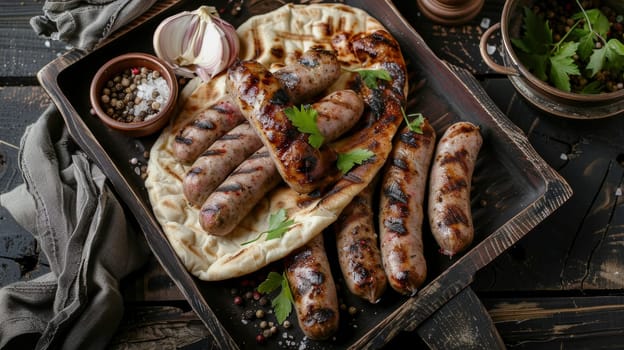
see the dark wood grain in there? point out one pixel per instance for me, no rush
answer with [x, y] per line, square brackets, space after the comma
[24, 53]
[591, 322]
[463, 324]
[19, 253]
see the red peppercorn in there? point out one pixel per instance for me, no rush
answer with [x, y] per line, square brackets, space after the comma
[238, 300]
[134, 71]
[260, 339]
[256, 295]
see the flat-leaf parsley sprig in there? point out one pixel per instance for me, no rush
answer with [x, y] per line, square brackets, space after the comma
[283, 302]
[370, 76]
[278, 226]
[416, 124]
[304, 119]
[348, 160]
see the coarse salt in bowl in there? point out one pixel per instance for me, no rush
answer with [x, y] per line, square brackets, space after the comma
[154, 95]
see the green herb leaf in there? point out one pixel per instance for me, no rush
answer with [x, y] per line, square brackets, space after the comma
[282, 303]
[278, 226]
[593, 88]
[562, 65]
[537, 36]
[586, 45]
[416, 124]
[370, 76]
[304, 120]
[596, 61]
[537, 64]
[273, 281]
[348, 160]
[615, 55]
[598, 22]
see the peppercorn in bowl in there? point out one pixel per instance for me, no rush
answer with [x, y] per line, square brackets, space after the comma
[134, 93]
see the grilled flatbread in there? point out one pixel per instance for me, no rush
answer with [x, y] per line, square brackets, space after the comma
[275, 39]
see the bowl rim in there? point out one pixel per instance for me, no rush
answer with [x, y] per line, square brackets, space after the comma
[165, 70]
[526, 74]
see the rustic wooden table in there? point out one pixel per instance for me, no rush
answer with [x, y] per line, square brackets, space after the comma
[559, 287]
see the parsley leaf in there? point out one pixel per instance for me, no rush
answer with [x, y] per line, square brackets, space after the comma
[304, 120]
[562, 65]
[595, 21]
[416, 124]
[282, 303]
[537, 37]
[370, 76]
[348, 160]
[273, 281]
[615, 54]
[278, 226]
[596, 61]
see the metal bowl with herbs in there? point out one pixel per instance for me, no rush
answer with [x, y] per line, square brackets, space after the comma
[566, 57]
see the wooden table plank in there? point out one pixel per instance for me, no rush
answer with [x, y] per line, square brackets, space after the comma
[24, 53]
[462, 324]
[559, 322]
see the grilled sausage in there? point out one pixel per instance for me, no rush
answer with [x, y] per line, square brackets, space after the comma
[218, 161]
[205, 129]
[358, 251]
[262, 101]
[313, 72]
[232, 200]
[450, 215]
[313, 289]
[228, 204]
[401, 208]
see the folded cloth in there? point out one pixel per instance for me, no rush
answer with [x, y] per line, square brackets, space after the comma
[83, 24]
[67, 205]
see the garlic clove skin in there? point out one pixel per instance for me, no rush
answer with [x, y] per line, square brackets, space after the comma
[197, 42]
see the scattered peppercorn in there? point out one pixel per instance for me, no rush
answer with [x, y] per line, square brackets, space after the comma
[238, 300]
[249, 315]
[352, 310]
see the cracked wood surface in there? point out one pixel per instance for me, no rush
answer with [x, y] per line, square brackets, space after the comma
[552, 289]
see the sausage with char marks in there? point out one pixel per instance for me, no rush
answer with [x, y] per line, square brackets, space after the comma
[450, 215]
[313, 289]
[401, 208]
[218, 161]
[205, 129]
[232, 200]
[358, 252]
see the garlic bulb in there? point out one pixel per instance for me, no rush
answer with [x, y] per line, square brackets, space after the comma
[197, 42]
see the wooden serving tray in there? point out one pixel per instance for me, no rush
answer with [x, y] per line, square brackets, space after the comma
[513, 188]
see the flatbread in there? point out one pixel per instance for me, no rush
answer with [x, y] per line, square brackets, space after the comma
[273, 39]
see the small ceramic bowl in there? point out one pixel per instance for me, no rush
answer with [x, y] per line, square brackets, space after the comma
[134, 61]
[542, 95]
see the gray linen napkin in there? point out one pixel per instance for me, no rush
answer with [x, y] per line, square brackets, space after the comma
[67, 205]
[83, 24]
